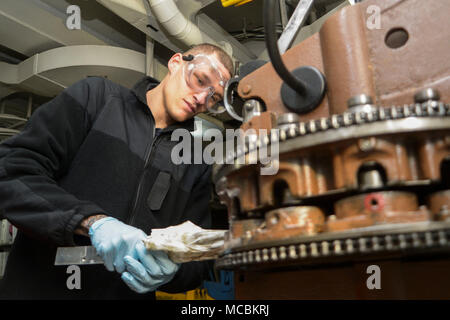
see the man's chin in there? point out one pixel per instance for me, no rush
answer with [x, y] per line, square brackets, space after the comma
[182, 116]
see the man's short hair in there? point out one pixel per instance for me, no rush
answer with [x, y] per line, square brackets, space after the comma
[208, 48]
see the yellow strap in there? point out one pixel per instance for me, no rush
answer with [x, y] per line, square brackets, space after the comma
[227, 3]
[242, 2]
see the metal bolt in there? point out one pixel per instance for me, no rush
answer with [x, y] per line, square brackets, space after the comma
[447, 140]
[444, 212]
[359, 100]
[252, 108]
[247, 89]
[287, 118]
[427, 95]
[366, 145]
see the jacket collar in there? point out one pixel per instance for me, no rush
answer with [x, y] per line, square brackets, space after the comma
[140, 90]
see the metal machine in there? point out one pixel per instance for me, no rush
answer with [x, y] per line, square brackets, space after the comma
[363, 121]
[359, 112]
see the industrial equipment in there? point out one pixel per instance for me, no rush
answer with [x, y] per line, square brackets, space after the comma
[360, 113]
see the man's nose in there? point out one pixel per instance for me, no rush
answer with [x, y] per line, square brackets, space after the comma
[200, 98]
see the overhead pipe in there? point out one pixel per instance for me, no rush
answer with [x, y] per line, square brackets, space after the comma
[176, 24]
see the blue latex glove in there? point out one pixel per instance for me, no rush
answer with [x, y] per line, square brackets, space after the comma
[113, 240]
[149, 271]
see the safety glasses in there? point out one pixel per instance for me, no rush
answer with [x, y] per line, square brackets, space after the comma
[202, 75]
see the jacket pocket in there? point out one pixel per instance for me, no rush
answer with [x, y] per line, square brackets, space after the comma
[159, 191]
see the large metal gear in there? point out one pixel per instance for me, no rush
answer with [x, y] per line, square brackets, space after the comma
[362, 173]
[402, 238]
[386, 120]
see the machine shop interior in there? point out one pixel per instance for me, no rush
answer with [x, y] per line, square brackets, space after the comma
[354, 94]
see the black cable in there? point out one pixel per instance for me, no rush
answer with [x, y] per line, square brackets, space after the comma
[272, 48]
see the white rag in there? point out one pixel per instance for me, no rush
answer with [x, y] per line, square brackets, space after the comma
[187, 242]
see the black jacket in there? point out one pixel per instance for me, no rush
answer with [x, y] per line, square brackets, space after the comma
[92, 150]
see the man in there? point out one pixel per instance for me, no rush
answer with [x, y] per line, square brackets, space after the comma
[92, 166]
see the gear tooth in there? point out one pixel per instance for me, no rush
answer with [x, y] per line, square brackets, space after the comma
[442, 238]
[273, 254]
[358, 118]
[346, 118]
[282, 134]
[416, 240]
[250, 256]
[325, 248]
[441, 109]
[312, 126]
[418, 109]
[362, 245]
[292, 252]
[323, 124]
[257, 256]
[303, 252]
[349, 244]
[428, 239]
[402, 241]
[406, 111]
[337, 247]
[244, 258]
[394, 114]
[388, 241]
[382, 114]
[375, 243]
[233, 259]
[291, 132]
[265, 255]
[314, 251]
[334, 121]
[239, 258]
[430, 110]
[283, 253]
[424, 108]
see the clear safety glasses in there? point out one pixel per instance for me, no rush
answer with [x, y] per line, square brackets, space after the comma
[202, 75]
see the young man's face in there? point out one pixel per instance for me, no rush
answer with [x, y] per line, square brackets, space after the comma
[193, 86]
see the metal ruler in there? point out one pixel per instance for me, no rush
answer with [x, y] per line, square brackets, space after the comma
[77, 255]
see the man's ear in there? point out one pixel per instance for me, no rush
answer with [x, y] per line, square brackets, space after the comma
[175, 62]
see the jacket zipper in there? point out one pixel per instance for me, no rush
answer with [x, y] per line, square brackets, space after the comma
[150, 155]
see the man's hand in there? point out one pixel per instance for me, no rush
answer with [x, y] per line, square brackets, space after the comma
[149, 270]
[113, 240]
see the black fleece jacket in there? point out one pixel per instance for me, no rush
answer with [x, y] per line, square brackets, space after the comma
[93, 150]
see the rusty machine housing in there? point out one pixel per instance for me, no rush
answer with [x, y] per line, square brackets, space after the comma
[364, 171]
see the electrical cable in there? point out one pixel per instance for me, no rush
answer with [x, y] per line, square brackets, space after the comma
[272, 47]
